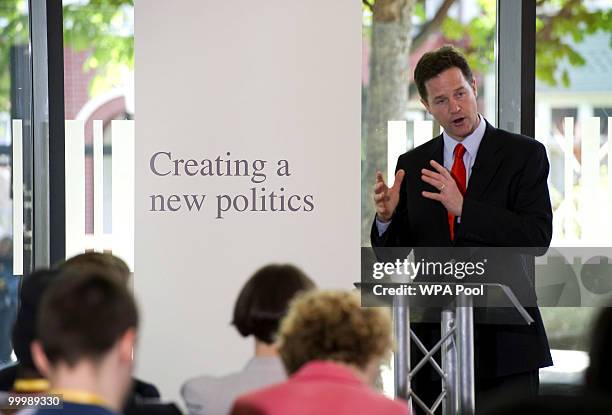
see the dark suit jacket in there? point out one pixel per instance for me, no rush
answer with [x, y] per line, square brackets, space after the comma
[506, 204]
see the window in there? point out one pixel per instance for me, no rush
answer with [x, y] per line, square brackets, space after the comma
[573, 101]
[98, 90]
[15, 163]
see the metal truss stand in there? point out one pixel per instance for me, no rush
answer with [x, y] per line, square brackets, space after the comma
[456, 346]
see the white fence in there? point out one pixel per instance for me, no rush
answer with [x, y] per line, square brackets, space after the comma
[580, 182]
[121, 241]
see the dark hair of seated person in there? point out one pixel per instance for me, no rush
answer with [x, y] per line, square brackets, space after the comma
[33, 287]
[82, 315]
[264, 300]
[598, 377]
[115, 266]
[108, 262]
[24, 330]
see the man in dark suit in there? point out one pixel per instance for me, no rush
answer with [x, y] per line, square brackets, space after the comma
[473, 186]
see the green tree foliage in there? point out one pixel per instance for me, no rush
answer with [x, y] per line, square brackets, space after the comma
[13, 30]
[105, 28]
[102, 27]
[476, 37]
[560, 26]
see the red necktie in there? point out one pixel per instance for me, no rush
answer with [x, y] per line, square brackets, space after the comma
[460, 176]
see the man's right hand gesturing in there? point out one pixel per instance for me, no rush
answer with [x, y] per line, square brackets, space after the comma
[386, 198]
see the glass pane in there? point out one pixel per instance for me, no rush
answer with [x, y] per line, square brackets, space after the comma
[573, 103]
[388, 89]
[15, 163]
[393, 118]
[98, 82]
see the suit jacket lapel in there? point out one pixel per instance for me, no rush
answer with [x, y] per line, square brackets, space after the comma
[486, 164]
[437, 151]
[440, 214]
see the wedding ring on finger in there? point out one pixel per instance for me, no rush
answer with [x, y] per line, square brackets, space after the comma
[442, 187]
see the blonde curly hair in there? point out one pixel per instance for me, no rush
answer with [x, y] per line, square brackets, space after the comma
[332, 325]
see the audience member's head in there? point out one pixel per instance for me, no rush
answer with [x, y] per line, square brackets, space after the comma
[24, 331]
[105, 261]
[598, 373]
[332, 326]
[86, 331]
[264, 299]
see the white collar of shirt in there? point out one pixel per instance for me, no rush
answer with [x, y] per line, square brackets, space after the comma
[471, 142]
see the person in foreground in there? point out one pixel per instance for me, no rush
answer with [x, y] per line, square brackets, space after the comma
[23, 378]
[261, 304]
[86, 329]
[597, 376]
[332, 349]
[142, 394]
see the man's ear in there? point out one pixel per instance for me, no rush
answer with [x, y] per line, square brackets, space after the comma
[426, 105]
[473, 85]
[40, 358]
[126, 344]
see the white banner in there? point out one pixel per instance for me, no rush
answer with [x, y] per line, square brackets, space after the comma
[247, 152]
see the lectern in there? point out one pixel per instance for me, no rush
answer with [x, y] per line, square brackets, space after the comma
[456, 316]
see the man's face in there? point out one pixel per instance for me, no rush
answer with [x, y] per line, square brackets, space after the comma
[451, 99]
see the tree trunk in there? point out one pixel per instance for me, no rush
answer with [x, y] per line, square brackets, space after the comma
[387, 94]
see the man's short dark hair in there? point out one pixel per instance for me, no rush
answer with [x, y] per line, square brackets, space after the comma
[83, 314]
[31, 293]
[106, 261]
[437, 61]
[264, 300]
